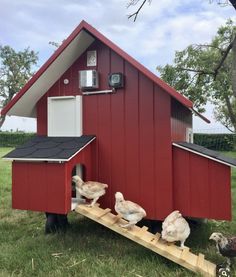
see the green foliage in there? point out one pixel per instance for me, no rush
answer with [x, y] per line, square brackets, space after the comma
[218, 142]
[10, 139]
[205, 73]
[15, 71]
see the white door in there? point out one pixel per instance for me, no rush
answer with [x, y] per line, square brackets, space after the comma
[65, 116]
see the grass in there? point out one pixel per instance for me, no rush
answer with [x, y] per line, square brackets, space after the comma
[87, 249]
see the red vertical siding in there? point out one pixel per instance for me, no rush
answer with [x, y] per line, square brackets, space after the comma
[117, 156]
[38, 187]
[201, 186]
[181, 181]
[132, 123]
[56, 189]
[42, 122]
[104, 124]
[220, 191]
[20, 186]
[146, 143]
[181, 119]
[163, 155]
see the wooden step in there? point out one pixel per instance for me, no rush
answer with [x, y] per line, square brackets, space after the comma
[104, 212]
[184, 253]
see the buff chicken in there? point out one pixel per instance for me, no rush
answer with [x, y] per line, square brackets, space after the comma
[130, 211]
[90, 190]
[175, 228]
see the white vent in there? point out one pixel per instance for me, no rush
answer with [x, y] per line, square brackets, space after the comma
[88, 79]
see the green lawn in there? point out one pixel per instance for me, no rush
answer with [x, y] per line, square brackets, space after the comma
[87, 249]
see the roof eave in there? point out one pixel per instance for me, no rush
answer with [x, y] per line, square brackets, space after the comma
[200, 115]
[203, 155]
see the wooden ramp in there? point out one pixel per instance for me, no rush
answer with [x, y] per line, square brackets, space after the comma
[153, 242]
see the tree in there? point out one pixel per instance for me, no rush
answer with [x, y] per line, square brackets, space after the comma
[207, 72]
[15, 70]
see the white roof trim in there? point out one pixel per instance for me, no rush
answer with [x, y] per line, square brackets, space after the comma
[203, 155]
[49, 160]
[26, 105]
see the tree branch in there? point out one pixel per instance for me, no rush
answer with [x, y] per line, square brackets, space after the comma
[199, 46]
[206, 45]
[196, 70]
[217, 68]
[135, 14]
[226, 52]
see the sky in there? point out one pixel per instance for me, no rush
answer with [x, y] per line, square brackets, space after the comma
[162, 27]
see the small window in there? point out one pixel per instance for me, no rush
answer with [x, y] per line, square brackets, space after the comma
[189, 135]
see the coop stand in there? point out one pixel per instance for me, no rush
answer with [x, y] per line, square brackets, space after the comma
[153, 242]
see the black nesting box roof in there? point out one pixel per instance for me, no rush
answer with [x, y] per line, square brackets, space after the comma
[206, 152]
[42, 148]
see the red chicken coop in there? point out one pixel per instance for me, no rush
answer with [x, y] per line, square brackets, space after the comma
[104, 116]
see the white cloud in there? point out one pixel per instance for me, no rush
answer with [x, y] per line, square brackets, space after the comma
[161, 28]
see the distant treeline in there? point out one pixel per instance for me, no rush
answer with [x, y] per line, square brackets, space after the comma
[12, 139]
[219, 142]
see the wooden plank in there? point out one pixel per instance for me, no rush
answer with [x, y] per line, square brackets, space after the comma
[106, 211]
[101, 213]
[115, 219]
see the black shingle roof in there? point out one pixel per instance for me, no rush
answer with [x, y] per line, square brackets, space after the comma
[49, 148]
[207, 152]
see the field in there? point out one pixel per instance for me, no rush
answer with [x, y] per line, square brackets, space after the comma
[87, 249]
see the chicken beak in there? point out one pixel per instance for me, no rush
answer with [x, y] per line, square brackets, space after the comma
[211, 238]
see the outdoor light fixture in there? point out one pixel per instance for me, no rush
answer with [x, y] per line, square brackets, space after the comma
[66, 81]
[116, 80]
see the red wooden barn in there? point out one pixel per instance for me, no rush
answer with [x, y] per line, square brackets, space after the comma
[102, 114]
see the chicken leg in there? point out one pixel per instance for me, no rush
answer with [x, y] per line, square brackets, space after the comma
[182, 246]
[128, 225]
[93, 202]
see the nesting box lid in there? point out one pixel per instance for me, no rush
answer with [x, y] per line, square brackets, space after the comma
[43, 148]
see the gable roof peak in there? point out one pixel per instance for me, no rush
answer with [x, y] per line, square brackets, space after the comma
[24, 103]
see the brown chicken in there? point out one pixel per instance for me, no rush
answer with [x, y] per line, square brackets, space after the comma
[226, 246]
[91, 190]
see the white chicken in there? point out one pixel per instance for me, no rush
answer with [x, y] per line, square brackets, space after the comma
[91, 190]
[128, 210]
[175, 228]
